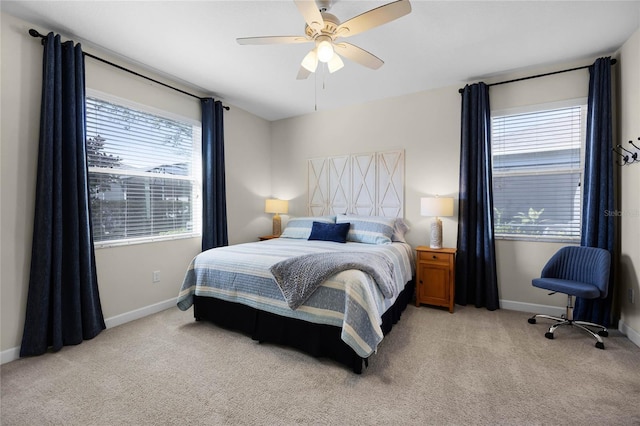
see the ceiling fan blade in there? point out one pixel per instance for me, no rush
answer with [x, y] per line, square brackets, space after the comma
[374, 18]
[358, 55]
[311, 13]
[273, 40]
[303, 73]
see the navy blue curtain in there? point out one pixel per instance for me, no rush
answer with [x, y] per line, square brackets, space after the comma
[214, 197]
[63, 304]
[476, 278]
[598, 228]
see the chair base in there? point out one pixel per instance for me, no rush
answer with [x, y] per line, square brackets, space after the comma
[567, 320]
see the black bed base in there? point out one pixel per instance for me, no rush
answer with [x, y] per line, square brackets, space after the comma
[318, 340]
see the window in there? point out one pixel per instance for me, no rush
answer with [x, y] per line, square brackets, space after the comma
[144, 174]
[537, 170]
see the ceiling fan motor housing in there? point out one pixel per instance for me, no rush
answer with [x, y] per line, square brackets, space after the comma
[324, 5]
[330, 26]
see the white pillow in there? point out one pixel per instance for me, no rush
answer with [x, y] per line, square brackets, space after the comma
[300, 227]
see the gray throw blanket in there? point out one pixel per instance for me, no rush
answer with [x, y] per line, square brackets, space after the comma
[298, 277]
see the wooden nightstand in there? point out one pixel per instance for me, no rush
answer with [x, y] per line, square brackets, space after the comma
[435, 276]
[268, 237]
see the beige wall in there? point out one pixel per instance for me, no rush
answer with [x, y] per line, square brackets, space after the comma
[629, 221]
[427, 126]
[124, 273]
[269, 159]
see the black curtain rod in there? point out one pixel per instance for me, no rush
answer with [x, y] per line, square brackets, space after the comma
[35, 33]
[613, 62]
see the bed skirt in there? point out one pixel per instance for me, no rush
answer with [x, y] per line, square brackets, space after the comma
[318, 340]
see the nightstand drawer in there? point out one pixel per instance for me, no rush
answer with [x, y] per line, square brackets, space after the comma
[434, 256]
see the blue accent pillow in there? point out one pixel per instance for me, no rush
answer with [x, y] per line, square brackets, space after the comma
[336, 232]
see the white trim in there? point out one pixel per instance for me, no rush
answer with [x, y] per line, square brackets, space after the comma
[534, 308]
[14, 353]
[9, 355]
[144, 240]
[140, 313]
[631, 334]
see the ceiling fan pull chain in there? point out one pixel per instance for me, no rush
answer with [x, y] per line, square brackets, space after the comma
[324, 76]
[324, 79]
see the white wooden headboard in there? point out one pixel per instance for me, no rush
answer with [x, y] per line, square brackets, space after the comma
[370, 184]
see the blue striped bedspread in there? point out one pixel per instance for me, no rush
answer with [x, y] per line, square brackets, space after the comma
[350, 299]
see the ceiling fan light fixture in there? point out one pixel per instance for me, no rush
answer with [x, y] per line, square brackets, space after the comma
[310, 61]
[323, 29]
[335, 64]
[325, 50]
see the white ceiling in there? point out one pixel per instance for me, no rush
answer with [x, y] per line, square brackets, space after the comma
[440, 43]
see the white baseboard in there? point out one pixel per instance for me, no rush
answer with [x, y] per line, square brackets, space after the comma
[14, 353]
[139, 313]
[532, 307]
[631, 334]
[9, 355]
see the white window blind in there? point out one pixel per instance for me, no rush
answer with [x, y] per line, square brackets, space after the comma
[537, 170]
[144, 174]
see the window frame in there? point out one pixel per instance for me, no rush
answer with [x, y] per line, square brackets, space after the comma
[527, 109]
[196, 177]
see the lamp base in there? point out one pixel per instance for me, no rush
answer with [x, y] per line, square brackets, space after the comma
[436, 234]
[277, 225]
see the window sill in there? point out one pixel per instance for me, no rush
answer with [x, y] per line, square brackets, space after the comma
[144, 240]
[538, 238]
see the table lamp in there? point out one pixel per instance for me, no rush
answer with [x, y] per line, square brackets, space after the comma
[436, 207]
[276, 207]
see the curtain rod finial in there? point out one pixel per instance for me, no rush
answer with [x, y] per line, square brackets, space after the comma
[35, 33]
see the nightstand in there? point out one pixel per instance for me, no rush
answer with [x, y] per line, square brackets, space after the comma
[268, 237]
[435, 276]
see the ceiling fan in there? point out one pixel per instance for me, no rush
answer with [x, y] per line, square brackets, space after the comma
[324, 29]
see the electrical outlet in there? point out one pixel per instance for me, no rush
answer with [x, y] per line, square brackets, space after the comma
[156, 276]
[631, 296]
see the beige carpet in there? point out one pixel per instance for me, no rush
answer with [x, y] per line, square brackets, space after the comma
[470, 367]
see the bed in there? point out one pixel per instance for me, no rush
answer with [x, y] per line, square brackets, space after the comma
[345, 318]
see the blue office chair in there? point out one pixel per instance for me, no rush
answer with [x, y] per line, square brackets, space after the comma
[577, 272]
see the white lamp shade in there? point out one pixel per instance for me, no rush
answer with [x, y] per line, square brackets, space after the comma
[438, 207]
[310, 61]
[276, 206]
[335, 64]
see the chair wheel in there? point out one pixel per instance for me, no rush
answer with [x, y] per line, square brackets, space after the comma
[599, 345]
[603, 333]
[532, 320]
[548, 335]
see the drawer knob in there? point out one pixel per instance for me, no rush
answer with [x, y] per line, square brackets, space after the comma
[434, 256]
